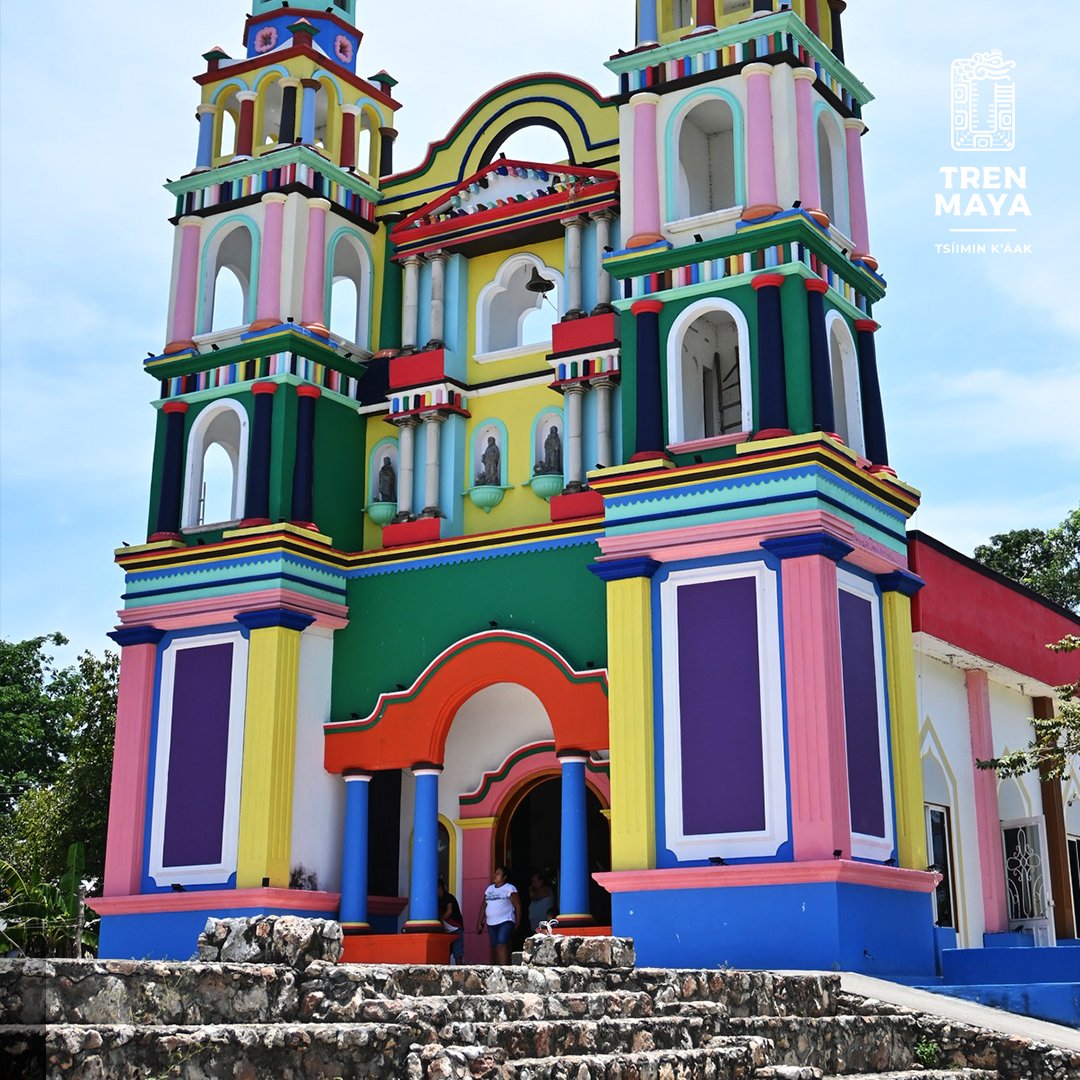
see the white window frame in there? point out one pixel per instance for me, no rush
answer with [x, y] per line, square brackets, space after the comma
[220, 872]
[193, 466]
[876, 848]
[766, 842]
[676, 391]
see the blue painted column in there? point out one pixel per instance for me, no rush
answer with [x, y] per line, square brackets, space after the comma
[171, 488]
[877, 449]
[772, 382]
[204, 159]
[649, 433]
[647, 33]
[354, 855]
[821, 388]
[574, 849]
[307, 112]
[424, 886]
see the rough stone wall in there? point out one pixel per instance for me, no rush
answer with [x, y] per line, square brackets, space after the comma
[577, 1008]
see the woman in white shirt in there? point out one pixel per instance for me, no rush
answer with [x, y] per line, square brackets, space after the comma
[500, 913]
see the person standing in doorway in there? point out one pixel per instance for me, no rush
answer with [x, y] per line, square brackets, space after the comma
[541, 901]
[500, 913]
[453, 923]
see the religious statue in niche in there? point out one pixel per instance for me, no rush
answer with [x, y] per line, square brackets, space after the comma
[551, 462]
[490, 472]
[387, 482]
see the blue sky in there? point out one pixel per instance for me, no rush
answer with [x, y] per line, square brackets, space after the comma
[978, 354]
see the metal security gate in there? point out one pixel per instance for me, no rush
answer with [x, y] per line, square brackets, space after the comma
[1027, 878]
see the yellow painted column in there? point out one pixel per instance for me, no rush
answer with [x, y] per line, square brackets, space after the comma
[630, 712]
[266, 784]
[897, 589]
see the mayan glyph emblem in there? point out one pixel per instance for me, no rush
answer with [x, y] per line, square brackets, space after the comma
[983, 95]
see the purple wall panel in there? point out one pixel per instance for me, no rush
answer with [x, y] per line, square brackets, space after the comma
[198, 756]
[861, 715]
[723, 781]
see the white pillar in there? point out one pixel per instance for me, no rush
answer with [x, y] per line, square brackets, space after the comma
[438, 299]
[406, 467]
[410, 319]
[432, 425]
[574, 394]
[573, 267]
[603, 388]
[603, 221]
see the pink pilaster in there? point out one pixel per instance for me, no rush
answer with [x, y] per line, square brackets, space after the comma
[646, 173]
[477, 844]
[182, 330]
[313, 307]
[820, 817]
[809, 180]
[268, 309]
[987, 814]
[131, 761]
[860, 229]
[761, 151]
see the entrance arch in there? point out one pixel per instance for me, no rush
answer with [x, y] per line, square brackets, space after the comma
[411, 726]
[487, 820]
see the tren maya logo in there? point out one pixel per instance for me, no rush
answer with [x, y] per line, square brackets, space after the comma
[983, 200]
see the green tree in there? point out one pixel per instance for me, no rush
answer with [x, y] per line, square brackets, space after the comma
[1055, 740]
[1047, 561]
[33, 732]
[56, 732]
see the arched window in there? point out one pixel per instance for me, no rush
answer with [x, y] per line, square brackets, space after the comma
[709, 373]
[844, 366]
[830, 153]
[216, 466]
[509, 316]
[323, 114]
[530, 142]
[367, 153]
[269, 112]
[228, 126]
[348, 295]
[230, 266]
[707, 160]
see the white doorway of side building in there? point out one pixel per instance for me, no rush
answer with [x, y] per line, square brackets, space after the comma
[1027, 878]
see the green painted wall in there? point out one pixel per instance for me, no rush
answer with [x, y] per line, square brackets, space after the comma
[339, 473]
[793, 314]
[399, 622]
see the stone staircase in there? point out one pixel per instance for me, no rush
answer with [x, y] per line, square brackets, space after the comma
[575, 1009]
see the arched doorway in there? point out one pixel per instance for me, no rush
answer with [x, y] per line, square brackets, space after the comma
[528, 840]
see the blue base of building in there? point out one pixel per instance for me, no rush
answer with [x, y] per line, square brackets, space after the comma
[1059, 1003]
[830, 926]
[172, 935]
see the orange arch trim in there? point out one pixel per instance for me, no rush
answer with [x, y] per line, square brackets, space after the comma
[411, 726]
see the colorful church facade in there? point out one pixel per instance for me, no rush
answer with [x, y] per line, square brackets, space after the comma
[540, 513]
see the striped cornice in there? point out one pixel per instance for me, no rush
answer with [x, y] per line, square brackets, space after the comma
[293, 155]
[784, 22]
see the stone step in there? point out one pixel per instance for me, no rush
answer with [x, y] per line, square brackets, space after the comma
[148, 992]
[225, 1051]
[557, 1038]
[746, 993]
[921, 1074]
[22, 1050]
[736, 1061]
